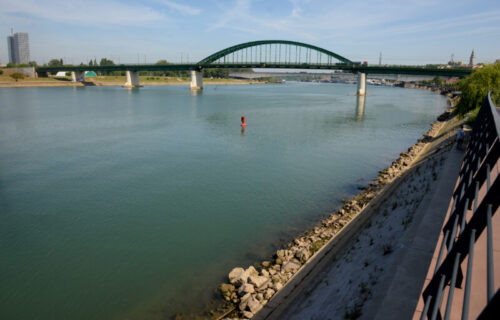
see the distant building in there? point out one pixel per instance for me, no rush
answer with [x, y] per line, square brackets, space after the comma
[19, 48]
[471, 61]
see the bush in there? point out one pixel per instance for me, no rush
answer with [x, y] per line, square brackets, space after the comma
[475, 87]
[16, 76]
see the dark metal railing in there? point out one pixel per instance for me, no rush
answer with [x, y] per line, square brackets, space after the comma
[459, 233]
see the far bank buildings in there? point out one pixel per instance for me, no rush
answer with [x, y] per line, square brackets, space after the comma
[19, 49]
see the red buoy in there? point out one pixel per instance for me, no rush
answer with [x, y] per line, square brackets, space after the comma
[243, 121]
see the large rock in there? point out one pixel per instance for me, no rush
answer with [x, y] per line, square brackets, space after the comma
[251, 271]
[277, 286]
[291, 266]
[258, 281]
[269, 293]
[245, 289]
[236, 275]
[303, 255]
[253, 305]
[244, 301]
[247, 315]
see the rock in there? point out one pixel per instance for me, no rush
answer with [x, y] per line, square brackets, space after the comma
[269, 293]
[277, 267]
[245, 289]
[303, 255]
[227, 290]
[291, 266]
[236, 276]
[259, 296]
[247, 315]
[244, 301]
[254, 305]
[266, 264]
[272, 272]
[281, 254]
[279, 261]
[258, 281]
[264, 273]
[251, 271]
[277, 286]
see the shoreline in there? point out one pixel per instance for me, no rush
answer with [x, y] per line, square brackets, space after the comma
[99, 83]
[257, 293]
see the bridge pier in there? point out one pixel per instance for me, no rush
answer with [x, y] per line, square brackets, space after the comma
[78, 76]
[196, 80]
[361, 84]
[132, 79]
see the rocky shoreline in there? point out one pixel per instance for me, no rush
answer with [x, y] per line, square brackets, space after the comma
[249, 290]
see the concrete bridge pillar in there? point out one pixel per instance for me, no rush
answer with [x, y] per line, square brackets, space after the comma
[196, 80]
[132, 79]
[77, 76]
[361, 84]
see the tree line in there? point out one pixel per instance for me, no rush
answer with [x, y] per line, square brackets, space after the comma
[209, 72]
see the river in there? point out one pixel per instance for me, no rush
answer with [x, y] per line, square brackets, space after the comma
[136, 204]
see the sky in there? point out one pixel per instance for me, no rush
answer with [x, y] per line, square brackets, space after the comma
[145, 31]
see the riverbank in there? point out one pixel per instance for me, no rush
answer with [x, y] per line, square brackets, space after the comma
[7, 82]
[376, 219]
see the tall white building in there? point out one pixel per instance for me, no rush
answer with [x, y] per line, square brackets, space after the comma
[19, 48]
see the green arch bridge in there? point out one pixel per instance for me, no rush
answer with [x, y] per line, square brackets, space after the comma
[275, 54]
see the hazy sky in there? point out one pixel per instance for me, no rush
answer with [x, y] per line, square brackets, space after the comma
[406, 32]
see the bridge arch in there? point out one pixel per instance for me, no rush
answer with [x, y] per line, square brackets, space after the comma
[274, 51]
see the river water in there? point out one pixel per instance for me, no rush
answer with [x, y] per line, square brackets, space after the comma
[136, 204]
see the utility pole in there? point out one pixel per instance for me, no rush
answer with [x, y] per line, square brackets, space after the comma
[380, 59]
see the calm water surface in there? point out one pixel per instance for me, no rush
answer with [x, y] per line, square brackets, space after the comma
[135, 204]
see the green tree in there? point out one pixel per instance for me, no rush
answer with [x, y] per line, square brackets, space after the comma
[55, 63]
[437, 80]
[16, 76]
[106, 62]
[162, 62]
[475, 87]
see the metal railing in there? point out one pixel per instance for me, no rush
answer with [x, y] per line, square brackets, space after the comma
[477, 191]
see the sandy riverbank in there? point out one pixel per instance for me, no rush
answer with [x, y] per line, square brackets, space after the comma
[112, 81]
[354, 245]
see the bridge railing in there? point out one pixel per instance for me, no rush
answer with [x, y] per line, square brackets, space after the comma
[473, 205]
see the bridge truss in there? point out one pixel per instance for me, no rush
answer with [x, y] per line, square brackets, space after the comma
[275, 52]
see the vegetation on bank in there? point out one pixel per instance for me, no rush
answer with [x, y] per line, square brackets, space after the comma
[207, 73]
[475, 87]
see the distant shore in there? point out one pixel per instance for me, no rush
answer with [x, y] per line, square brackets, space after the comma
[7, 82]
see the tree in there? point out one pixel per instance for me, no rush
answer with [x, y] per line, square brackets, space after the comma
[475, 87]
[55, 63]
[162, 62]
[106, 62]
[437, 81]
[16, 76]
[33, 64]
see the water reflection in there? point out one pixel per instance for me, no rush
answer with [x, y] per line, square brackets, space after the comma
[243, 130]
[360, 108]
[195, 93]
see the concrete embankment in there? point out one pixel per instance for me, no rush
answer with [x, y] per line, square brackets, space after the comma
[353, 244]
